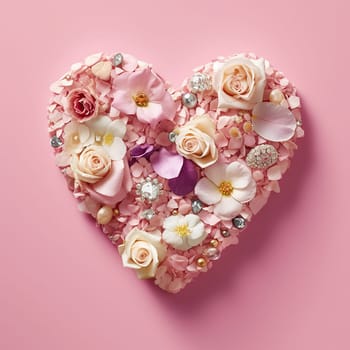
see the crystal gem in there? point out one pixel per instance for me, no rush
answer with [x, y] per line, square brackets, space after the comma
[149, 189]
[197, 206]
[239, 222]
[199, 83]
[262, 156]
[213, 253]
[117, 59]
[148, 214]
[172, 136]
[56, 142]
[189, 100]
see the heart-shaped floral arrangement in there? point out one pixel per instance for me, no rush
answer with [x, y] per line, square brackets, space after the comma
[172, 176]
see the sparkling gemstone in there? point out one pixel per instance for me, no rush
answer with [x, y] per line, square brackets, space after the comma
[56, 142]
[262, 156]
[189, 99]
[149, 189]
[148, 214]
[117, 59]
[172, 136]
[225, 233]
[239, 222]
[197, 206]
[213, 253]
[199, 83]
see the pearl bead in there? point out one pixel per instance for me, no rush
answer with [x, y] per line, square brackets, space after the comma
[175, 212]
[214, 243]
[225, 233]
[104, 215]
[201, 262]
[189, 100]
[276, 96]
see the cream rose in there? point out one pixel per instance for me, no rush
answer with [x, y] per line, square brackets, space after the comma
[240, 82]
[92, 165]
[195, 141]
[143, 252]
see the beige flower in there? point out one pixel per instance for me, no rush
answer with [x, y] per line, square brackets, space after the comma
[240, 82]
[195, 141]
[142, 251]
[92, 165]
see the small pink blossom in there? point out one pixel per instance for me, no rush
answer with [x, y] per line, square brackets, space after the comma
[81, 105]
[143, 93]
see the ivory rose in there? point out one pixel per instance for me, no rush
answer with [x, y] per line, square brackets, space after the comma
[142, 251]
[195, 141]
[92, 165]
[240, 82]
[81, 104]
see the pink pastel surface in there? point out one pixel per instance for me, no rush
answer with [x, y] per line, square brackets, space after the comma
[286, 286]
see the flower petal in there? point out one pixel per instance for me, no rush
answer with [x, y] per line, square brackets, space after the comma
[124, 102]
[149, 114]
[117, 149]
[216, 173]
[245, 194]
[117, 128]
[175, 240]
[239, 174]
[227, 208]
[207, 192]
[185, 182]
[273, 122]
[165, 164]
[99, 125]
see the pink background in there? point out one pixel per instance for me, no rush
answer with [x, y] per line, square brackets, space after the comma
[285, 287]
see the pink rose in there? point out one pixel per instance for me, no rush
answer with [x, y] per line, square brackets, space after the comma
[81, 105]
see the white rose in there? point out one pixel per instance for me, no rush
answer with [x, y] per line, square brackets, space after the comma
[195, 141]
[240, 82]
[143, 252]
[92, 165]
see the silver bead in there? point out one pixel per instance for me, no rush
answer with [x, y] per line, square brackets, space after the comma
[212, 253]
[239, 222]
[189, 100]
[197, 206]
[148, 214]
[117, 59]
[172, 136]
[262, 156]
[199, 83]
[56, 142]
[225, 233]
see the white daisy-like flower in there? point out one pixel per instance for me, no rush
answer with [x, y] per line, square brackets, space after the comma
[76, 137]
[109, 133]
[183, 232]
[227, 187]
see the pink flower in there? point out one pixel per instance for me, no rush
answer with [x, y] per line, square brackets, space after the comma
[81, 105]
[143, 93]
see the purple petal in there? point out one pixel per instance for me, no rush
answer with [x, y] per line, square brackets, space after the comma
[145, 150]
[186, 181]
[165, 164]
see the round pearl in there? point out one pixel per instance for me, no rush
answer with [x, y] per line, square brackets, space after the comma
[276, 96]
[175, 212]
[189, 100]
[201, 262]
[214, 243]
[104, 215]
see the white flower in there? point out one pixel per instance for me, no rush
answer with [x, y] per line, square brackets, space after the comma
[142, 251]
[183, 232]
[108, 134]
[76, 137]
[226, 186]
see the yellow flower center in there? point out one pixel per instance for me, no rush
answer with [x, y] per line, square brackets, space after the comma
[108, 139]
[226, 188]
[141, 99]
[182, 230]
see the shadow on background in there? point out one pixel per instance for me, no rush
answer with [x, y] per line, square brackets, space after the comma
[260, 232]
